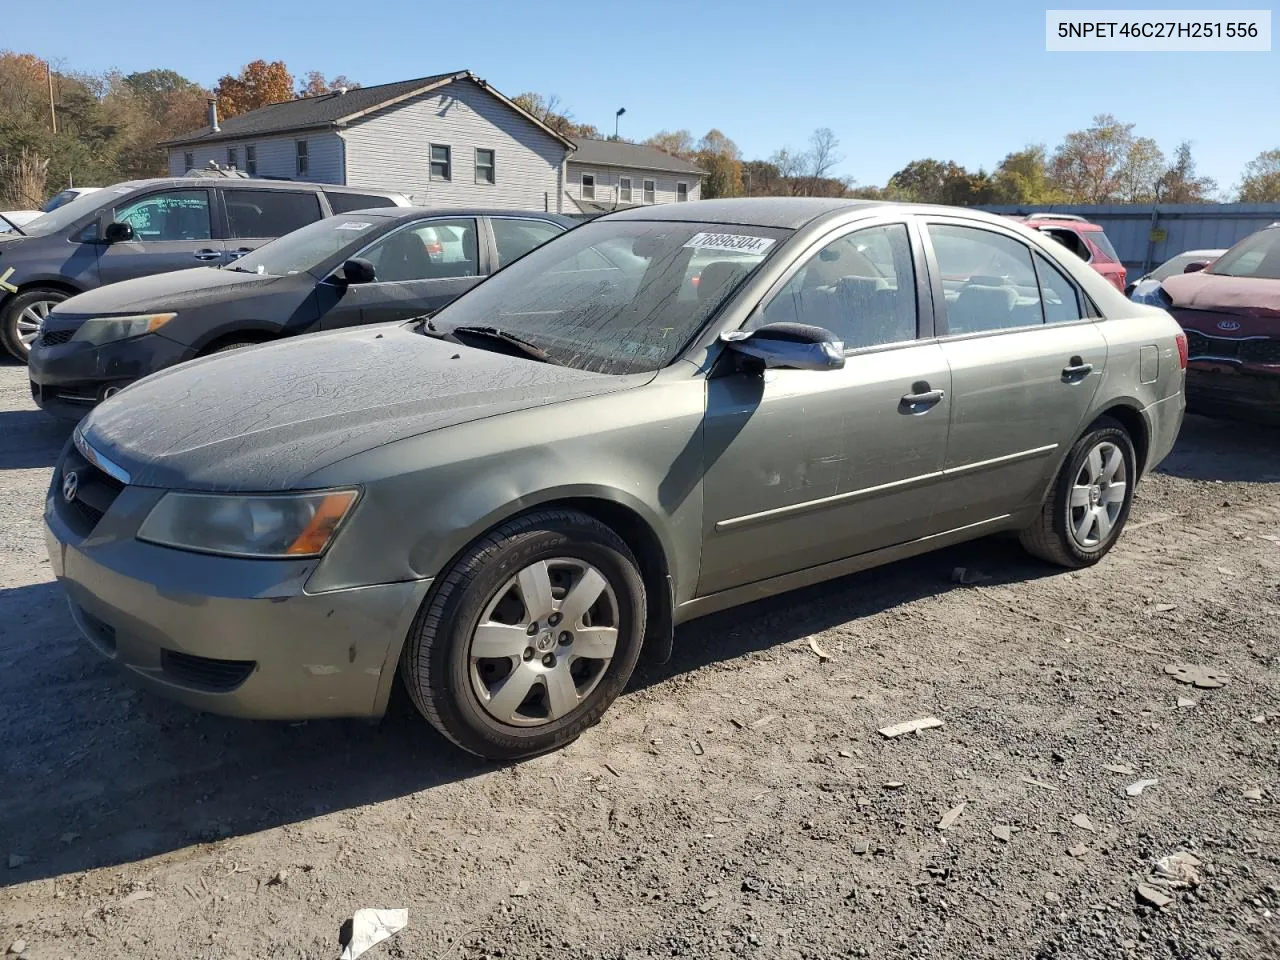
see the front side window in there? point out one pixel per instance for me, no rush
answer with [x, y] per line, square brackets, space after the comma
[861, 287]
[485, 170]
[617, 296]
[441, 162]
[650, 191]
[624, 189]
[232, 158]
[682, 192]
[255, 214]
[987, 279]
[1255, 256]
[515, 238]
[302, 157]
[439, 250]
[251, 160]
[175, 215]
[588, 186]
[1059, 295]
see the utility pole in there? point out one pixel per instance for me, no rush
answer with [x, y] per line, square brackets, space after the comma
[53, 117]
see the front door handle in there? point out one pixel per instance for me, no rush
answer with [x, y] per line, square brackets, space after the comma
[1076, 369]
[237, 254]
[207, 254]
[921, 396]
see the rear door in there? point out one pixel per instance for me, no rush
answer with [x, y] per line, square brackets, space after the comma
[1026, 359]
[255, 216]
[419, 268]
[173, 229]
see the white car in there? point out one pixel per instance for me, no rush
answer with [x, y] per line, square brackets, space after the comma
[1148, 283]
[9, 219]
[66, 196]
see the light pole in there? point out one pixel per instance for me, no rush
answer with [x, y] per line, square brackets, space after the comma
[621, 111]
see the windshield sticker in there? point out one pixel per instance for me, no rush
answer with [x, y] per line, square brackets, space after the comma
[353, 225]
[729, 241]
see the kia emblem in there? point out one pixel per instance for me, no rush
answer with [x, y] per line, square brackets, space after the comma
[70, 486]
[1228, 324]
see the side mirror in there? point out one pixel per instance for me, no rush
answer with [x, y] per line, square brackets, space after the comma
[795, 346]
[117, 232]
[358, 270]
[1195, 266]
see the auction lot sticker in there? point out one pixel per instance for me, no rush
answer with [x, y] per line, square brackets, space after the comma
[1124, 31]
[729, 241]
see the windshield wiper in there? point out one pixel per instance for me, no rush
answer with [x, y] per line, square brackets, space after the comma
[494, 335]
[12, 224]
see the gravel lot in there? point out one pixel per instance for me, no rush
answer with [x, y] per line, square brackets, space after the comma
[735, 802]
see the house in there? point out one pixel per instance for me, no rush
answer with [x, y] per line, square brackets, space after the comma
[449, 140]
[606, 175]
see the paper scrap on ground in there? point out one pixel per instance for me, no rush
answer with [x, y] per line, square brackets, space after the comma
[951, 816]
[1203, 678]
[1136, 788]
[370, 927]
[910, 726]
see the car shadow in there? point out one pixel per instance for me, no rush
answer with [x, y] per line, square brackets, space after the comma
[31, 438]
[1227, 450]
[102, 774]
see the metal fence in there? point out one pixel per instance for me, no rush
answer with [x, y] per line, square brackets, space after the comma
[1147, 235]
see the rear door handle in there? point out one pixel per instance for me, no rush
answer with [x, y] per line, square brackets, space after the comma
[237, 254]
[922, 397]
[1076, 369]
[207, 254]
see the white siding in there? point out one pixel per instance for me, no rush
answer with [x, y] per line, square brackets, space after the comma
[275, 156]
[607, 179]
[392, 149]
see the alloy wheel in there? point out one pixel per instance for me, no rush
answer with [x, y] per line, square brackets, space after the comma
[544, 642]
[1097, 496]
[31, 319]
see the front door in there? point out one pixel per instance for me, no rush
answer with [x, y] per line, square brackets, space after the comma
[1026, 360]
[172, 230]
[807, 467]
[418, 269]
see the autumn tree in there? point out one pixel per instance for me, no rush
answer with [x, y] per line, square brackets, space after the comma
[1261, 181]
[1023, 177]
[1179, 183]
[678, 143]
[258, 84]
[1107, 163]
[548, 111]
[315, 85]
[721, 159]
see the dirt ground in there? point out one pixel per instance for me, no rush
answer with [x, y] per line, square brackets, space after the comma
[735, 802]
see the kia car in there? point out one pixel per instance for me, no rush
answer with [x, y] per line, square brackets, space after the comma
[505, 504]
[367, 266]
[1189, 261]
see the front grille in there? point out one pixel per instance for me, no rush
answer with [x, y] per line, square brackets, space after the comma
[1244, 350]
[95, 492]
[205, 673]
[51, 338]
[1260, 351]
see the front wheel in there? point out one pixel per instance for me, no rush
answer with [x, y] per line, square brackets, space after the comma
[529, 637]
[1084, 513]
[22, 316]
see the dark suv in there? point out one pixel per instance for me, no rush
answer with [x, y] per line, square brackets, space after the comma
[142, 227]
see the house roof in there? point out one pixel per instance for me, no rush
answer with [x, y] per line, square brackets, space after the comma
[637, 156]
[335, 109]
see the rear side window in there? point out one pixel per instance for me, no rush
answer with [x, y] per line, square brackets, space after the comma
[987, 279]
[515, 238]
[255, 214]
[346, 202]
[1099, 240]
[1061, 300]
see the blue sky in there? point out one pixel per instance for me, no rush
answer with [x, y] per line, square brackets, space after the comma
[897, 81]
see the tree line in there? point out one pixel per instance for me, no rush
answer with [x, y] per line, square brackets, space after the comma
[60, 128]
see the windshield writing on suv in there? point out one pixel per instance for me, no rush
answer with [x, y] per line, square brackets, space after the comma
[1255, 256]
[308, 247]
[617, 296]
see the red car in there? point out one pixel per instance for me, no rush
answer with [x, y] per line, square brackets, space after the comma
[1086, 240]
[1231, 313]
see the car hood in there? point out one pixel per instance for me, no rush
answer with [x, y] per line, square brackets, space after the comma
[1247, 296]
[267, 417]
[172, 291]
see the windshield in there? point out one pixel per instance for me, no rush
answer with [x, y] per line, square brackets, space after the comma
[617, 296]
[1255, 256]
[71, 211]
[308, 247]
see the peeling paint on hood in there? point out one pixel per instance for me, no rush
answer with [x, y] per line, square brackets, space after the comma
[1249, 296]
[265, 418]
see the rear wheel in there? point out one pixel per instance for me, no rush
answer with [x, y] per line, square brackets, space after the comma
[237, 345]
[1084, 513]
[23, 314]
[529, 637]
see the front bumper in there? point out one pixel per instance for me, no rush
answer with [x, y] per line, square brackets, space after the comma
[68, 379]
[236, 637]
[1230, 390]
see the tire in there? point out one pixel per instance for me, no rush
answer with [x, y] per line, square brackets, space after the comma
[21, 313]
[536, 691]
[1100, 490]
[237, 345]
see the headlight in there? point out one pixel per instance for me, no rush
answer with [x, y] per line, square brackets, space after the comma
[101, 330]
[268, 526]
[1154, 296]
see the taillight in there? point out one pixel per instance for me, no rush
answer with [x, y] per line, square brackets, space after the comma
[1183, 352]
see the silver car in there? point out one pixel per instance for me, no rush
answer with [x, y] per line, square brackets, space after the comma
[664, 412]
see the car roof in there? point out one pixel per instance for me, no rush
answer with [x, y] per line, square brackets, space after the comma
[250, 183]
[413, 213]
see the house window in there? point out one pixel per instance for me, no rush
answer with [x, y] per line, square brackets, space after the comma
[624, 189]
[232, 158]
[300, 153]
[485, 172]
[682, 192]
[441, 162]
[650, 191]
[588, 186]
[188, 161]
[251, 160]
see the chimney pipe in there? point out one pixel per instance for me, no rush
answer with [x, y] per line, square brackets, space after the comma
[213, 114]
